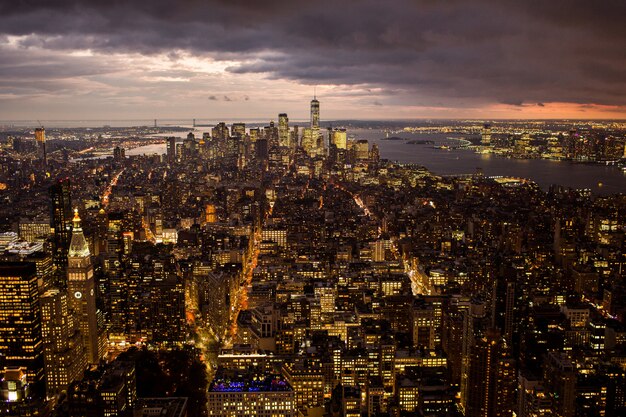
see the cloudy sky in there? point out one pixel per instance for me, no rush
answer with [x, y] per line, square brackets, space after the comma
[370, 59]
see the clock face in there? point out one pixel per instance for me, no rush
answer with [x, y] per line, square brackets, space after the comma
[78, 294]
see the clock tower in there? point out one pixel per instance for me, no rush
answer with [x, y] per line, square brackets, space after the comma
[81, 290]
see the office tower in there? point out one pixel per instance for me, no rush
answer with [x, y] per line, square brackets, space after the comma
[362, 149]
[491, 378]
[64, 352]
[283, 130]
[118, 388]
[486, 135]
[261, 149]
[60, 221]
[340, 138]
[34, 230]
[119, 153]
[220, 132]
[503, 307]
[315, 114]
[239, 129]
[81, 289]
[20, 320]
[255, 134]
[40, 137]
[271, 134]
[307, 382]
[309, 143]
[295, 137]
[559, 376]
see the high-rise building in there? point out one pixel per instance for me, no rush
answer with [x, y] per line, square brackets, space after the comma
[20, 319]
[315, 114]
[560, 380]
[239, 129]
[40, 137]
[486, 135]
[81, 288]
[492, 378]
[171, 149]
[340, 138]
[283, 130]
[64, 352]
[60, 221]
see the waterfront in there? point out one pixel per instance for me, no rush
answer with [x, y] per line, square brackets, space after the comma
[464, 161]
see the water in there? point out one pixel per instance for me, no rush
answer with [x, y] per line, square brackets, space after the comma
[463, 161]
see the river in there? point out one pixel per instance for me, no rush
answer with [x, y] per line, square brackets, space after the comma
[599, 178]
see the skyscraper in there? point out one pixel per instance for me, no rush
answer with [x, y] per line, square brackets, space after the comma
[491, 378]
[315, 114]
[20, 319]
[486, 135]
[64, 352]
[61, 213]
[171, 149]
[340, 138]
[81, 289]
[40, 137]
[283, 130]
[238, 129]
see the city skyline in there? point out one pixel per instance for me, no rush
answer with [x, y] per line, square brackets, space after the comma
[401, 60]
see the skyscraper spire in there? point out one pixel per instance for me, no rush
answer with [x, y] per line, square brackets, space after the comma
[78, 244]
[81, 287]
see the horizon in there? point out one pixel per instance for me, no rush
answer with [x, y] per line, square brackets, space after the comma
[401, 60]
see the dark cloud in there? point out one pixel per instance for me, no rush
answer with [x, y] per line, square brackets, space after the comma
[453, 52]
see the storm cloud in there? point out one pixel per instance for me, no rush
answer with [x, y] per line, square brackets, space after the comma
[451, 53]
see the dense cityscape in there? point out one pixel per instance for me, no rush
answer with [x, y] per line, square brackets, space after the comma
[287, 270]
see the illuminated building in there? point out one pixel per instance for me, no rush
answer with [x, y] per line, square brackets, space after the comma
[20, 319]
[315, 114]
[275, 235]
[35, 230]
[209, 213]
[307, 383]
[491, 378]
[60, 221]
[171, 149]
[362, 149]
[64, 352]
[270, 133]
[560, 380]
[118, 389]
[81, 289]
[340, 138]
[238, 129]
[486, 135]
[40, 137]
[532, 399]
[309, 141]
[234, 394]
[283, 130]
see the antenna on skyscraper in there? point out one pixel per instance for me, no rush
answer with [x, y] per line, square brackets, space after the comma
[314, 92]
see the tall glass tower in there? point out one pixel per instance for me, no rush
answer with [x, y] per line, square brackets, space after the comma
[315, 114]
[61, 221]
